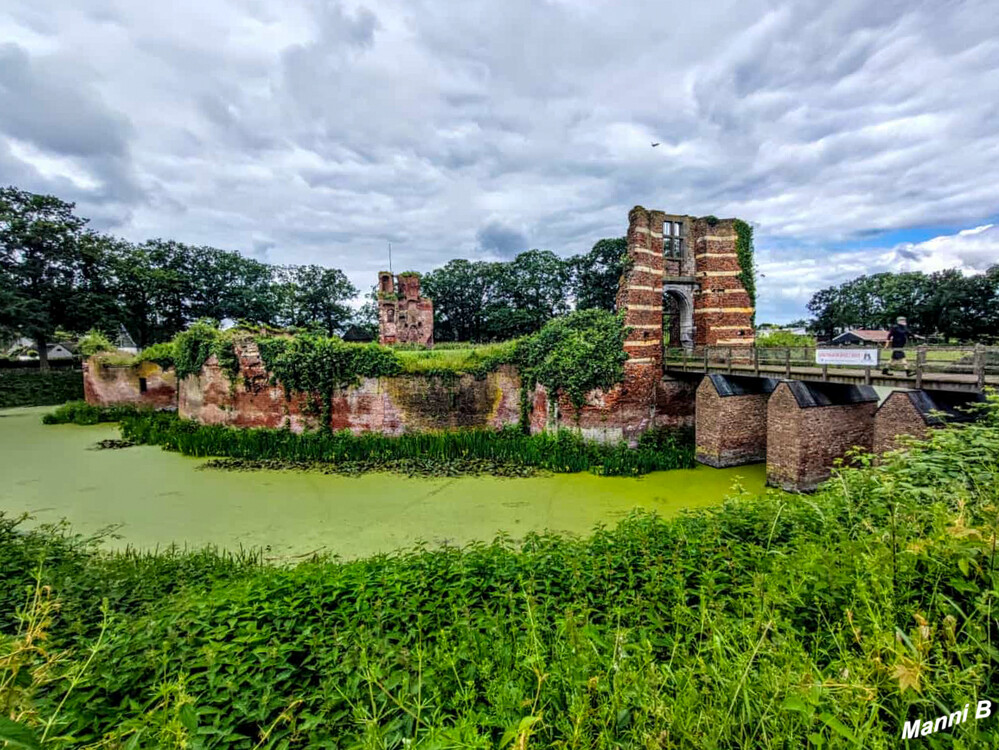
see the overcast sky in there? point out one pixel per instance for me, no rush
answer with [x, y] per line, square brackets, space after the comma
[856, 136]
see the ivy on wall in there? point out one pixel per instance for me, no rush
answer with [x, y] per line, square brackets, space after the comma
[573, 355]
[319, 366]
[744, 251]
[193, 347]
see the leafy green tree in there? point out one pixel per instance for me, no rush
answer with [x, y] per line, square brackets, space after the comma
[530, 290]
[39, 262]
[945, 303]
[461, 291]
[596, 274]
[313, 297]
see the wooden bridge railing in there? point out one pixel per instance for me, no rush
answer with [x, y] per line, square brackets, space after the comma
[974, 366]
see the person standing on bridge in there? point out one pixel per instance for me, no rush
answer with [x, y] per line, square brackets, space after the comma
[898, 337]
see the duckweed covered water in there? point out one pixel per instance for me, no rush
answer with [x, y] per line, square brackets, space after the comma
[157, 498]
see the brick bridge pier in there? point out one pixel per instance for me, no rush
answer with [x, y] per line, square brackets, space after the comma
[800, 428]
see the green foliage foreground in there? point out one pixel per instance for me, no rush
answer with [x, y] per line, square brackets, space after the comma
[775, 622]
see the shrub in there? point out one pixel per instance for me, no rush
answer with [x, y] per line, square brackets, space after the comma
[94, 341]
[32, 387]
[574, 354]
[193, 347]
[164, 354]
[785, 339]
[780, 621]
[82, 413]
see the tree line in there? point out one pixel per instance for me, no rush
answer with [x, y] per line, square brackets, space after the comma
[490, 301]
[57, 274]
[946, 305]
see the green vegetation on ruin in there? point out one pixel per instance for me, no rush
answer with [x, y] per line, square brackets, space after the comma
[572, 355]
[774, 622]
[443, 360]
[747, 263]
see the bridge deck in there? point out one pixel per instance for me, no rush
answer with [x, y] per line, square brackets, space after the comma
[954, 369]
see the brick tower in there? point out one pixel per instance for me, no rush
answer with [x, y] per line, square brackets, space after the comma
[682, 284]
[404, 317]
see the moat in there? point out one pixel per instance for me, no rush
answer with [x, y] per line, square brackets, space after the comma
[156, 498]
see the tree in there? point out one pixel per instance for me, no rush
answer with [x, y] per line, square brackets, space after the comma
[596, 274]
[530, 290]
[946, 303]
[39, 262]
[313, 297]
[461, 291]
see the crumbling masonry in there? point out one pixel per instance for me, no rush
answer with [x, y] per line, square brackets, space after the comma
[404, 317]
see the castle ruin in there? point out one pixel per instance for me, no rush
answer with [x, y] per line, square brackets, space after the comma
[682, 287]
[404, 317]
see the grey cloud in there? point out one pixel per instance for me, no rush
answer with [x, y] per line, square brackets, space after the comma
[500, 240]
[45, 103]
[457, 129]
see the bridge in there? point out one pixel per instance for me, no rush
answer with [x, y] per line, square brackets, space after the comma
[969, 368]
[780, 405]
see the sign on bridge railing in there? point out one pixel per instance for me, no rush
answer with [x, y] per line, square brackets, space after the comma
[842, 356]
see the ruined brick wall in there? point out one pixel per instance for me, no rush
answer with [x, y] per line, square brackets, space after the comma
[387, 405]
[145, 384]
[803, 443]
[404, 317]
[731, 430]
[897, 416]
[723, 312]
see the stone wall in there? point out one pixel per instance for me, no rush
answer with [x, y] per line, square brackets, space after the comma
[732, 420]
[809, 426]
[897, 416]
[618, 413]
[145, 384]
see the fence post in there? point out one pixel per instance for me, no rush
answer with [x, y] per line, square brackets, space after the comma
[787, 362]
[730, 360]
[980, 365]
[756, 360]
[867, 375]
[920, 363]
[825, 372]
[706, 357]
[685, 359]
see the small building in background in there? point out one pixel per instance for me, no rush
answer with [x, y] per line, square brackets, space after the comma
[860, 336]
[124, 342]
[404, 317]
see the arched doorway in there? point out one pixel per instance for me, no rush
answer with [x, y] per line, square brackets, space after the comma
[678, 318]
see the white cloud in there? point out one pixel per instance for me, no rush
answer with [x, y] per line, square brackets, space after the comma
[323, 129]
[789, 280]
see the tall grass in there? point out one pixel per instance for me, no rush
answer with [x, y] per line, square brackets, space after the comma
[82, 413]
[773, 622]
[474, 360]
[561, 451]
